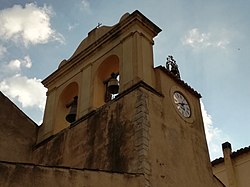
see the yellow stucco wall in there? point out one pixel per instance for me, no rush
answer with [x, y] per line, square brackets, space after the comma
[178, 151]
[125, 48]
[241, 169]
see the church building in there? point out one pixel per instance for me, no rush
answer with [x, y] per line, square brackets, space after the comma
[111, 119]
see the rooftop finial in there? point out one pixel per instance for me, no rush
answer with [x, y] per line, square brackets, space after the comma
[172, 66]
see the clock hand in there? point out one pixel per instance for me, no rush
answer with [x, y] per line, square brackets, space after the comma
[181, 106]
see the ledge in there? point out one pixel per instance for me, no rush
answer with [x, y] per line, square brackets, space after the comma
[66, 168]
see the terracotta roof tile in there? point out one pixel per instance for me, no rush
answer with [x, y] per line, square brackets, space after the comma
[233, 155]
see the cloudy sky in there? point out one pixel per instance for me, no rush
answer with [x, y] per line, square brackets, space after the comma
[208, 39]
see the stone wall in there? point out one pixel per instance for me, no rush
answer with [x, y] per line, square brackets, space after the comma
[29, 175]
[17, 133]
[106, 139]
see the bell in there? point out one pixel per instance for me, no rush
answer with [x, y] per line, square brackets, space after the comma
[71, 117]
[113, 86]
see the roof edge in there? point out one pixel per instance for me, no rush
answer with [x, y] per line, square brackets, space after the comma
[234, 154]
[181, 82]
[15, 106]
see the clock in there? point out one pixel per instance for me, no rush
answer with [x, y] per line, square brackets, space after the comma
[181, 104]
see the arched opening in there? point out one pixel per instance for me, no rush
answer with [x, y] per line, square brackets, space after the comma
[106, 68]
[64, 105]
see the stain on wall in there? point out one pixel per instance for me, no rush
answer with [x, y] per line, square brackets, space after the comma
[104, 141]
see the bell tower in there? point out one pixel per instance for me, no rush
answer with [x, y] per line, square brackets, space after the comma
[125, 48]
[108, 109]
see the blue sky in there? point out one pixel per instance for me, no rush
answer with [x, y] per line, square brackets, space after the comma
[208, 39]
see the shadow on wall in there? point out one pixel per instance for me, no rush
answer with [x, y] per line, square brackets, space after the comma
[62, 110]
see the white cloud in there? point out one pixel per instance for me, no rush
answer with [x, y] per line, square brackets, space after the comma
[71, 27]
[207, 119]
[196, 39]
[17, 64]
[222, 44]
[29, 92]
[29, 24]
[214, 135]
[85, 5]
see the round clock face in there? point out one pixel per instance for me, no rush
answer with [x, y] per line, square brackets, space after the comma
[182, 105]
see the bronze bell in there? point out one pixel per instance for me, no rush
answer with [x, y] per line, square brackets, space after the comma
[113, 84]
[71, 117]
